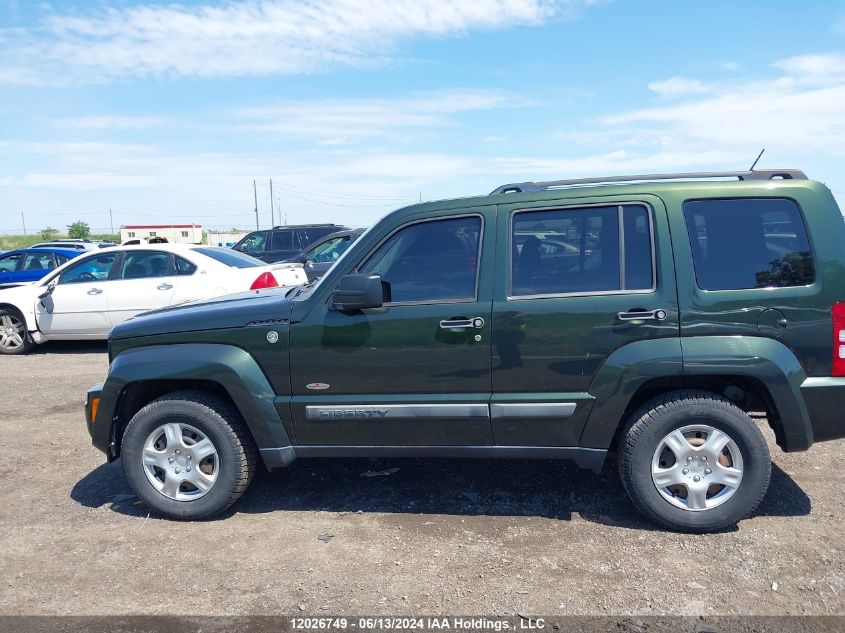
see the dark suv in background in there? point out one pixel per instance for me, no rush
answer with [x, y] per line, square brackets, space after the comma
[281, 243]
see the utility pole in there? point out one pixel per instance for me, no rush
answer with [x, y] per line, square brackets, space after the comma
[111, 221]
[279, 207]
[272, 217]
[255, 192]
[24, 223]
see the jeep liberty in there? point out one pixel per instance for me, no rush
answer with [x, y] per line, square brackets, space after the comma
[641, 316]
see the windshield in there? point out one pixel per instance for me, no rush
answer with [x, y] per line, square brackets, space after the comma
[330, 250]
[229, 257]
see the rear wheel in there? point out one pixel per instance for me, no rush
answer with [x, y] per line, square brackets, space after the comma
[188, 455]
[14, 338]
[693, 461]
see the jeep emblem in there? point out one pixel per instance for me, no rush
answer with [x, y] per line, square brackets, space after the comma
[272, 336]
[317, 386]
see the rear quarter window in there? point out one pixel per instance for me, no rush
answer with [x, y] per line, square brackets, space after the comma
[748, 243]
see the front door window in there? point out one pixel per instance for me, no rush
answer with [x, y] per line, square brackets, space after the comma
[433, 261]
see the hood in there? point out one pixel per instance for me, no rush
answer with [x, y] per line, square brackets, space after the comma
[230, 311]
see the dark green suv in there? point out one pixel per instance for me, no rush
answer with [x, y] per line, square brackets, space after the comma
[643, 316]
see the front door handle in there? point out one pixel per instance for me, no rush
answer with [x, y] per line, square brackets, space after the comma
[165, 286]
[95, 291]
[460, 323]
[642, 315]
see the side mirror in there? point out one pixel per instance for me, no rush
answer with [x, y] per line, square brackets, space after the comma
[358, 292]
[48, 290]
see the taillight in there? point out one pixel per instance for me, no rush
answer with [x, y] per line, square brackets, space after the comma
[838, 368]
[265, 280]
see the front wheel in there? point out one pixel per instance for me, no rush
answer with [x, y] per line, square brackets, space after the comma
[693, 461]
[188, 455]
[14, 338]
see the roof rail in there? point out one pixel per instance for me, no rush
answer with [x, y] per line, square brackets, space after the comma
[303, 226]
[762, 174]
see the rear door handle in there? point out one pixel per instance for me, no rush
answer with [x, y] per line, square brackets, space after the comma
[642, 315]
[460, 323]
[165, 286]
[95, 291]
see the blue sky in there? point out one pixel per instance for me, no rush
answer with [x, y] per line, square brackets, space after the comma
[167, 112]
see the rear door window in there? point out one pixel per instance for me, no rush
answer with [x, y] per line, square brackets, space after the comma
[38, 261]
[748, 243]
[581, 250]
[283, 241]
[141, 264]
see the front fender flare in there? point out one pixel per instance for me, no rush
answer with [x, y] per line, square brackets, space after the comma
[231, 367]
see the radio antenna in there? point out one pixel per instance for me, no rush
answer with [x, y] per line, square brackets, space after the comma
[754, 164]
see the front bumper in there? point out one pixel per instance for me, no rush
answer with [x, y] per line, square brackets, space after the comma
[92, 413]
[824, 398]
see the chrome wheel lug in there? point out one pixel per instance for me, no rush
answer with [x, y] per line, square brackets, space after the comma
[707, 471]
[685, 471]
[689, 458]
[704, 458]
[178, 452]
[189, 456]
[696, 478]
[177, 470]
[170, 459]
[187, 469]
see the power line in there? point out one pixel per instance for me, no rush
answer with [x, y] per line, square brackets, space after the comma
[336, 194]
[341, 204]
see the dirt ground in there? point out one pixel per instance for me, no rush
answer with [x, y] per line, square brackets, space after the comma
[434, 537]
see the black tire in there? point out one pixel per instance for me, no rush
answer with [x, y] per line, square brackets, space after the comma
[16, 321]
[218, 421]
[654, 421]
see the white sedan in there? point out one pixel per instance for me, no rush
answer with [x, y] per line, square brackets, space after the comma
[89, 295]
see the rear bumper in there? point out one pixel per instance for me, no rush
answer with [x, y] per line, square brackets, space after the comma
[825, 400]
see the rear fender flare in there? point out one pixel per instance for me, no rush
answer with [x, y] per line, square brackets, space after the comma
[765, 359]
[619, 378]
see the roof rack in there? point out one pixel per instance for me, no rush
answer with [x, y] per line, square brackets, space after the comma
[763, 174]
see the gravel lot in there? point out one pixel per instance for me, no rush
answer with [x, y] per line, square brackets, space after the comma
[434, 537]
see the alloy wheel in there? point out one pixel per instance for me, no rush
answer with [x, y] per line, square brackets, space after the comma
[12, 332]
[697, 467]
[180, 461]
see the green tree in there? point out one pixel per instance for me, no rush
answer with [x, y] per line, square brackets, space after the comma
[49, 233]
[78, 230]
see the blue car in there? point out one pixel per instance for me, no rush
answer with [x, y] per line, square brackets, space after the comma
[31, 264]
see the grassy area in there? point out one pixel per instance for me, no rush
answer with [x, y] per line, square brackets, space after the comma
[11, 242]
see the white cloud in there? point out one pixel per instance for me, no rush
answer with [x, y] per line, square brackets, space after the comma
[249, 37]
[675, 86]
[109, 122]
[801, 109]
[809, 69]
[341, 121]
